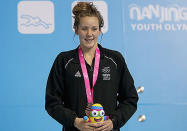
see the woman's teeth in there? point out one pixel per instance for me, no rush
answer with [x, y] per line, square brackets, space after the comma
[88, 40]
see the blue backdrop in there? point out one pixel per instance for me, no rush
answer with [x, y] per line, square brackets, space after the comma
[150, 34]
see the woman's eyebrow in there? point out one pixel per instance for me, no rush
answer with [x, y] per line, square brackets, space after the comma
[88, 26]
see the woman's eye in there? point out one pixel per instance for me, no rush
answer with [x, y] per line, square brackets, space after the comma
[84, 28]
[94, 29]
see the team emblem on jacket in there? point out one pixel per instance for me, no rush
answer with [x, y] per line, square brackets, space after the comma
[78, 74]
[106, 70]
[106, 73]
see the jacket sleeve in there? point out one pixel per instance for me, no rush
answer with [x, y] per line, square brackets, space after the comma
[127, 98]
[55, 96]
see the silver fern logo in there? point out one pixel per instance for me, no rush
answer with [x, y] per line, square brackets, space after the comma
[106, 70]
[106, 73]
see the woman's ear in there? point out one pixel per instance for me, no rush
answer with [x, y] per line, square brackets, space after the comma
[76, 30]
[100, 32]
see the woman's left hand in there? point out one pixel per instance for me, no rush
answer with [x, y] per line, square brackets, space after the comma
[106, 125]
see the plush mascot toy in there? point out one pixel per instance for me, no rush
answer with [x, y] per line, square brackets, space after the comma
[96, 114]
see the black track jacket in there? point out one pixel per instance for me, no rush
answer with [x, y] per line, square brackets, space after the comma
[114, 89]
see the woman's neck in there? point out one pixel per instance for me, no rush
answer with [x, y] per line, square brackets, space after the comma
[89, 54]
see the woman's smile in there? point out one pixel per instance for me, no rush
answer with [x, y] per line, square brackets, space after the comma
[88, 40]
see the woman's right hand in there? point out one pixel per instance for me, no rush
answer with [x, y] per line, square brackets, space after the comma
[80, 124]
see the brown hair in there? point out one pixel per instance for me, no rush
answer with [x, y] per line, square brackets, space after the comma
[83, 9]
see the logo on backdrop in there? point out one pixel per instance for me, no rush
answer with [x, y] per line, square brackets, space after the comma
[35, 17]
[158, 18]
[102, 7]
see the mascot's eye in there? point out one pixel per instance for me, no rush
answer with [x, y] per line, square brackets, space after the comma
[102, 113]
[94, 113]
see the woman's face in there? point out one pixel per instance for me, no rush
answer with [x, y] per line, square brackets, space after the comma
[88, 31]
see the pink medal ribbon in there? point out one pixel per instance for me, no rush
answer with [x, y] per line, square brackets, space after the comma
[89, 92]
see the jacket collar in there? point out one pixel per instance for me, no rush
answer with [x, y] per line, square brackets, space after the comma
[76, 55]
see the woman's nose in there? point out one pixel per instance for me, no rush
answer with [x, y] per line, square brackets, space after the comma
[89, 32]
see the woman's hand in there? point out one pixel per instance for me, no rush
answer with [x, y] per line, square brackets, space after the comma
[106, 125]
[84, 126]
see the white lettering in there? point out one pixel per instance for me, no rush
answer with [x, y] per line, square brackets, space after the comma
[183, 13]
[173, 27]
[146, 27]
[173, 12]
[184, 27]
[159, 27]
[167, 27]
[133, 26]
[179, 26]
[163, 14]
[138, 13]
[140, 27]
[146, 13]
[155, 10]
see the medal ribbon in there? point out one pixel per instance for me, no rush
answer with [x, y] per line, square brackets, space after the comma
[89, 92]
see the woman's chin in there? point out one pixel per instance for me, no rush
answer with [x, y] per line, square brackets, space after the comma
[89, 45]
